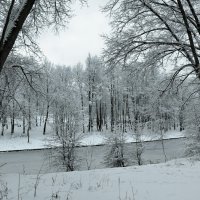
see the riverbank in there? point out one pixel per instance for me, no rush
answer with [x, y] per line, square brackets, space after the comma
[19, 141]
[174, 180]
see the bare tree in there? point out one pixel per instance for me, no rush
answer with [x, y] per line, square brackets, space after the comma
[150, 33]
[79, 79]
[25, 18]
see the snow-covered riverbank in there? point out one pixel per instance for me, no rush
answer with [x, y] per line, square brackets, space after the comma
[18, 141]
[174, 180]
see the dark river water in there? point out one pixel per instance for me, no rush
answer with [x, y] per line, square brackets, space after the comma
[32, 162]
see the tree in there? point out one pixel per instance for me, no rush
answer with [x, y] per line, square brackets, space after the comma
[94, 85]
[155, 33]
[27, 17]
[48, 91]
[115, 156]
[64, 155]
[65, 109]
[79, 78]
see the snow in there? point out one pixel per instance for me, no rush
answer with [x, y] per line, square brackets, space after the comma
[93, 139]
[18, 141]
[97, 138]
[174, 180]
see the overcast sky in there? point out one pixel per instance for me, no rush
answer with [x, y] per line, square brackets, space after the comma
[81, 37]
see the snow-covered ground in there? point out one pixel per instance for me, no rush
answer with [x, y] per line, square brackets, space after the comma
[18, 141]
[174, 180]
[97, 138]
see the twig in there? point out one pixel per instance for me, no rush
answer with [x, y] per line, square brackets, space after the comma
[3, 164]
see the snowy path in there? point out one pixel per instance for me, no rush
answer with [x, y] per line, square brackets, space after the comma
[30, 162]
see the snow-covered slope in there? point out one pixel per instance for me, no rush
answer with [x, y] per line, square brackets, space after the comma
[174, 180]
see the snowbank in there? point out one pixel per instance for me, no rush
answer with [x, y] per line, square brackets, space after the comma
[174, 180]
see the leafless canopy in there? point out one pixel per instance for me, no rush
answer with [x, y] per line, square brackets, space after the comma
[155, 32]
[23, 19]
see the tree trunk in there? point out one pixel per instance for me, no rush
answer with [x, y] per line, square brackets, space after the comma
[97, 116]
[82, 108]
[13, 119]
[90, 125]
[28, 133]
[29, 121]
[46, 118]
[2, 130]
[7, 41]
[100, 116]
[181, 119]
[29, 112]
[112, 123]
[36, 117]
[24, 123]
[41, 120]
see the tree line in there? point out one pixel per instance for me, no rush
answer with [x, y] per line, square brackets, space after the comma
[100, 98]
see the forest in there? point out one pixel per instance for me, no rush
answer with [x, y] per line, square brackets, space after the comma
[145, 82]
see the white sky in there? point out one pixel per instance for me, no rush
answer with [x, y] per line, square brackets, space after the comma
[81, 37]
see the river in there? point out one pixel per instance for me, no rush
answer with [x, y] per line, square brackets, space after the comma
[39, 161]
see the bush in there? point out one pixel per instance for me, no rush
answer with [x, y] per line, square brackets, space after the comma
[193, 144]
[115, 156]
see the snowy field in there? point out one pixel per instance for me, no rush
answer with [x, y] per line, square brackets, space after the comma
[174, 180]
[18, 141]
